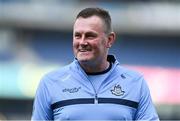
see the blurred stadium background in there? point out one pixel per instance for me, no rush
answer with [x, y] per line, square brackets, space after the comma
[36, 37]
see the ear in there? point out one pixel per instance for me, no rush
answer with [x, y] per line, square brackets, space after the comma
[111, 39]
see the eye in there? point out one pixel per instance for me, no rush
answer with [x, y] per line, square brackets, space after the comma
[91, 35]
[77, 35]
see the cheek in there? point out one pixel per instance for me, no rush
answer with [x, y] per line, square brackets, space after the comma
[75, 44]
[97, 44]
[102, 45]
[98, 49]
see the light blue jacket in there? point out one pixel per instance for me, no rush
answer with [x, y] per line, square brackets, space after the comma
[68, 94]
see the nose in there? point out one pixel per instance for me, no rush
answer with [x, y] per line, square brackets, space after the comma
[83, 41]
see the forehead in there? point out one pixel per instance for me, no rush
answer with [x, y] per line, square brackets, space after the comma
[93, 23]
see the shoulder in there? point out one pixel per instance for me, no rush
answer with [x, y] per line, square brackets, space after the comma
[58, 72]
[128, 73]
[55, 75]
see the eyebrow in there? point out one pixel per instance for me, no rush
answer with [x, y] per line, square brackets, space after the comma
[90, 33]
[86, 33]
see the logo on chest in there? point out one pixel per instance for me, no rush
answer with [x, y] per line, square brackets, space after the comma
[117, 90]
[71, 90]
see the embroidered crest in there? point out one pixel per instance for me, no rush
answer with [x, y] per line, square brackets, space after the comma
[117, 91]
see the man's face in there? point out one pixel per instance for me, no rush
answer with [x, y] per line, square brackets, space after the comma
[89, 39]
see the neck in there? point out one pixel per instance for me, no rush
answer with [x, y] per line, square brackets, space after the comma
[96, 67]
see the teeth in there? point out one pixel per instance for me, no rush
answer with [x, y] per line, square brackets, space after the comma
[83, 50]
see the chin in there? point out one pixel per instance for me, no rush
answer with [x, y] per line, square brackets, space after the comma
[84, 59]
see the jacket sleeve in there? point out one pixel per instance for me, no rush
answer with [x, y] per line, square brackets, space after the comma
[146, 110]
[42, 106]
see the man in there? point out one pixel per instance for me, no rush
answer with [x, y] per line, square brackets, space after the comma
[94, 86]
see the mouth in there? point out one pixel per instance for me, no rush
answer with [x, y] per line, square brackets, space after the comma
[84, 50]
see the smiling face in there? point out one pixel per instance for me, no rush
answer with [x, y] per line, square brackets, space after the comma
[90, 43]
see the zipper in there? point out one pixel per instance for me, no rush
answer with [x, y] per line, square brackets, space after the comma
[96, 99]
[96, 94]
[95, 91]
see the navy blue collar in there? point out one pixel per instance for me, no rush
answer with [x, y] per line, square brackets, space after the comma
[111, 59]
[102, 72]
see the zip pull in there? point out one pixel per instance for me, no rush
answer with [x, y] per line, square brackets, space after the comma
[96, 99]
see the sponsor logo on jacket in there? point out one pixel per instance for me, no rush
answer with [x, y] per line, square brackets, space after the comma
[71, 90]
